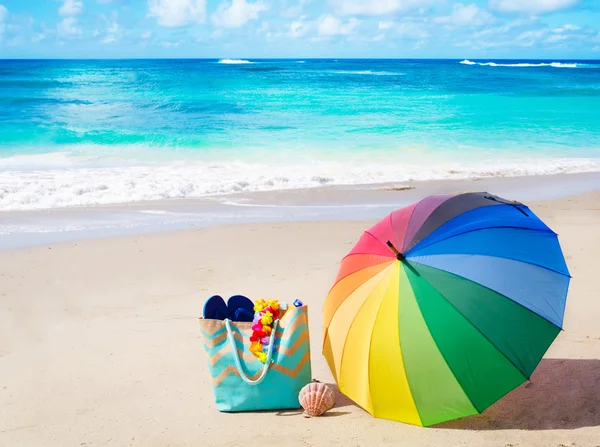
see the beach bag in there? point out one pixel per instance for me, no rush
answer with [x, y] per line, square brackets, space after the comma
[240, 381]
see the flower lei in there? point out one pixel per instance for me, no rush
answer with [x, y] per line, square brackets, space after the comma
[265, 313]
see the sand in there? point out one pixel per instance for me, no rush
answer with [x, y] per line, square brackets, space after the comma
[99, 342]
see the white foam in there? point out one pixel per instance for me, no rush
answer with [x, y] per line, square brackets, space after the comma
[159, 212]
[521, 65]
[234, 61]
[83, 184]
[561, 65]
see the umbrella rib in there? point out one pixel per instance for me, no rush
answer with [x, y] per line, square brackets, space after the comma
[527, 377]
[421, 245]
[488, 288]
[495, 291]
[370, 335]
[371, 344]
[418, 206]
[377, 239]
[440, 351]
[359, 270]
[401, 244]
[365, 252]
[408, 253]
[351, 292]
[402, 353]
[400, 349]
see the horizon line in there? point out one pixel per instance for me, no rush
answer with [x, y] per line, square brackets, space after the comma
[294, 58]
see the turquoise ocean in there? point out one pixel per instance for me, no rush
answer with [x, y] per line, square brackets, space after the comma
[85, 132]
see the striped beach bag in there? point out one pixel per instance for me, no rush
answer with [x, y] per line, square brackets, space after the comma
[240, 381]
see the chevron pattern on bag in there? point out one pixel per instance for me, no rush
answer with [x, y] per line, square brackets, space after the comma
[291, 339]
[218, 337]
[293, 373]
[231, 370]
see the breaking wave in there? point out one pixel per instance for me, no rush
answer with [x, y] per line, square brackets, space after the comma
[526, 64]
[234, 61]
[62, 181]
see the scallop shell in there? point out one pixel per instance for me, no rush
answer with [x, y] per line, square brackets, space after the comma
[316, 398]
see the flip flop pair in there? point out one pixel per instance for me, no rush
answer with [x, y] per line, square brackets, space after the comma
[238, 308]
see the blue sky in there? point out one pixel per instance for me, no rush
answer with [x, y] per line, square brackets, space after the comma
[555, 29]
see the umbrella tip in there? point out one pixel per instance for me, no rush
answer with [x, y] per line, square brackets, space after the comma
[399, 256]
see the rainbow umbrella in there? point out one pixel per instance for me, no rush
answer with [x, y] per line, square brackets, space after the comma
[443, 307]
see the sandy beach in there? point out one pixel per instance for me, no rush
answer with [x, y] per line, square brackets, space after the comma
[99, 341]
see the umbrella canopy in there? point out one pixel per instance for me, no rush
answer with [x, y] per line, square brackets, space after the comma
[443, 307]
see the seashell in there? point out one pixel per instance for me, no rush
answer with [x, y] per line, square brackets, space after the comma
[316, 398]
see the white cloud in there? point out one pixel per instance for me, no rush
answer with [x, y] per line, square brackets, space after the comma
[146, 35]
[531, 6]
[263, 28]
[168, 44]
[466, 15]
[329, 25]
[175, 13]
[3, 13]
[114, 28]
[419, 44]
[298, 28]
[68, 27]
[567, 27]
[38, 37]
[3, 16]
[529, 38]
[376, 7]
[500, 31]
[557, 37]
[71, 8]
[531, 34]
[237, 13]
[295, 10]
[113, 33]
[408, 30]
[411, 30]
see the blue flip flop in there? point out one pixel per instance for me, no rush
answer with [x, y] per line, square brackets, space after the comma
[240, 308]
[215, 308]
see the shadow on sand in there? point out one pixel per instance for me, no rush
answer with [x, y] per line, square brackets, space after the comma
[562, 394]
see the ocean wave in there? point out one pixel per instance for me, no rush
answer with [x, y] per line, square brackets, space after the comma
[234, 61]
[367, 72]
[525, 64]
[82, 183]
[552, 64]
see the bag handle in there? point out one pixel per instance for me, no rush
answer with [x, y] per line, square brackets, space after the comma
[236, 357]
